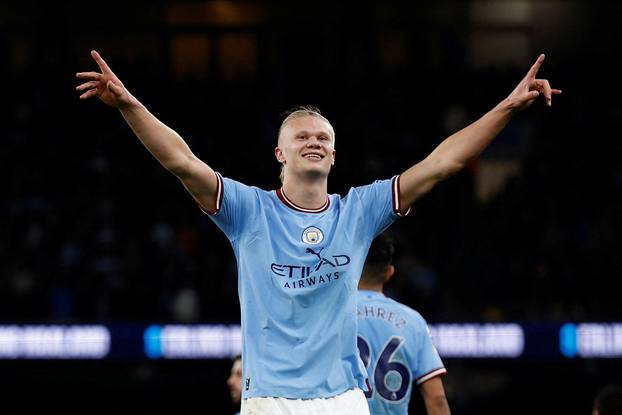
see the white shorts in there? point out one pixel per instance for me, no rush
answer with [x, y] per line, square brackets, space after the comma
[351, 402]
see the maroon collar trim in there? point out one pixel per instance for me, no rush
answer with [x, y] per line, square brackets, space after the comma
[292, 205]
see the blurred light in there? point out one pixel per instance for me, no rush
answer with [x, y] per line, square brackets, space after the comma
[478, 340]
[568, 340]
[222, 341]
[153, 345]
[500, 32]
[221, 13]
[54, 342]
[602, 340]
[501, 12]
[190, 57]
[193, 342]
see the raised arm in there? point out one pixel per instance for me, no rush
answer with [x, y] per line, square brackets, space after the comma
[164, 143]
[459, 148]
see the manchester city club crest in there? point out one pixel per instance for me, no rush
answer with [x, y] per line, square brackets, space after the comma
[312, 235]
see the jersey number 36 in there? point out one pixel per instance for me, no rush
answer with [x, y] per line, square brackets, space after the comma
[384, 366]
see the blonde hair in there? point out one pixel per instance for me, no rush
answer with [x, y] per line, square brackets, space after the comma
[299, 112]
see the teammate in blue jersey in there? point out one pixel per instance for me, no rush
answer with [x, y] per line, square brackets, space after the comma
[300, 251]
[394, 342]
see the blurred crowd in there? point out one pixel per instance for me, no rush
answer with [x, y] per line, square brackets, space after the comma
[93, 229]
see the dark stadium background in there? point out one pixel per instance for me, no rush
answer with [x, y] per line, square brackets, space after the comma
[94, 230]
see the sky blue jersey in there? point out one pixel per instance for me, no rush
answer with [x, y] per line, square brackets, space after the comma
[298, 271]
[397, 350]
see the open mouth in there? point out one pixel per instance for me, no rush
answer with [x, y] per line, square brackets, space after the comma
[313, 156]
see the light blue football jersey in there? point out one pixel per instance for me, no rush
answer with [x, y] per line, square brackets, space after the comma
[396, 348]
[298, 271]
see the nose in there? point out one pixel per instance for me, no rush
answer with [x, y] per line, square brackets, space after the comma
[313, 142]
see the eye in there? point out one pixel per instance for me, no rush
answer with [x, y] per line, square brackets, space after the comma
[323, 138]
[301, 137]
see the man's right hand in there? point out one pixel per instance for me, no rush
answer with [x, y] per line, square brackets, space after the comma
[105, 85]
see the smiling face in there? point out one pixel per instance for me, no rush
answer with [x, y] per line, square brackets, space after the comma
[306, 147]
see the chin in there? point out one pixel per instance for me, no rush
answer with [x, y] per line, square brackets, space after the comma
[317, 171]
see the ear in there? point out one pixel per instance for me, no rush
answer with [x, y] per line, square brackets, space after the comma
[332, 163]
[388, 273]
[278, 153]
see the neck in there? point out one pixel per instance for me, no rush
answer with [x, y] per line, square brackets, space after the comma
[369, 286]
[310, 193]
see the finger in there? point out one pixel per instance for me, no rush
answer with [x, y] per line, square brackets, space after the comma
[536, 66]
[117, 90]
[89, 75]
[545, 88]
[530, 98]
[90, 84]
[89, 94]
[100, 62]
[555, 92]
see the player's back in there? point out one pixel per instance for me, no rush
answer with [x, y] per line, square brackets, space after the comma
[395, 346]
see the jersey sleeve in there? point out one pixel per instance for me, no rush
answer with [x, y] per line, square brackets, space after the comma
[381, 204]
[235, 203]
[429, 363]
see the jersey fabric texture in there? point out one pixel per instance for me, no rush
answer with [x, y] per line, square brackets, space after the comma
[298, 271]
[397, 350]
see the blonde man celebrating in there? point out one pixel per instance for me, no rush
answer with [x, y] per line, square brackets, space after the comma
[299, 250]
